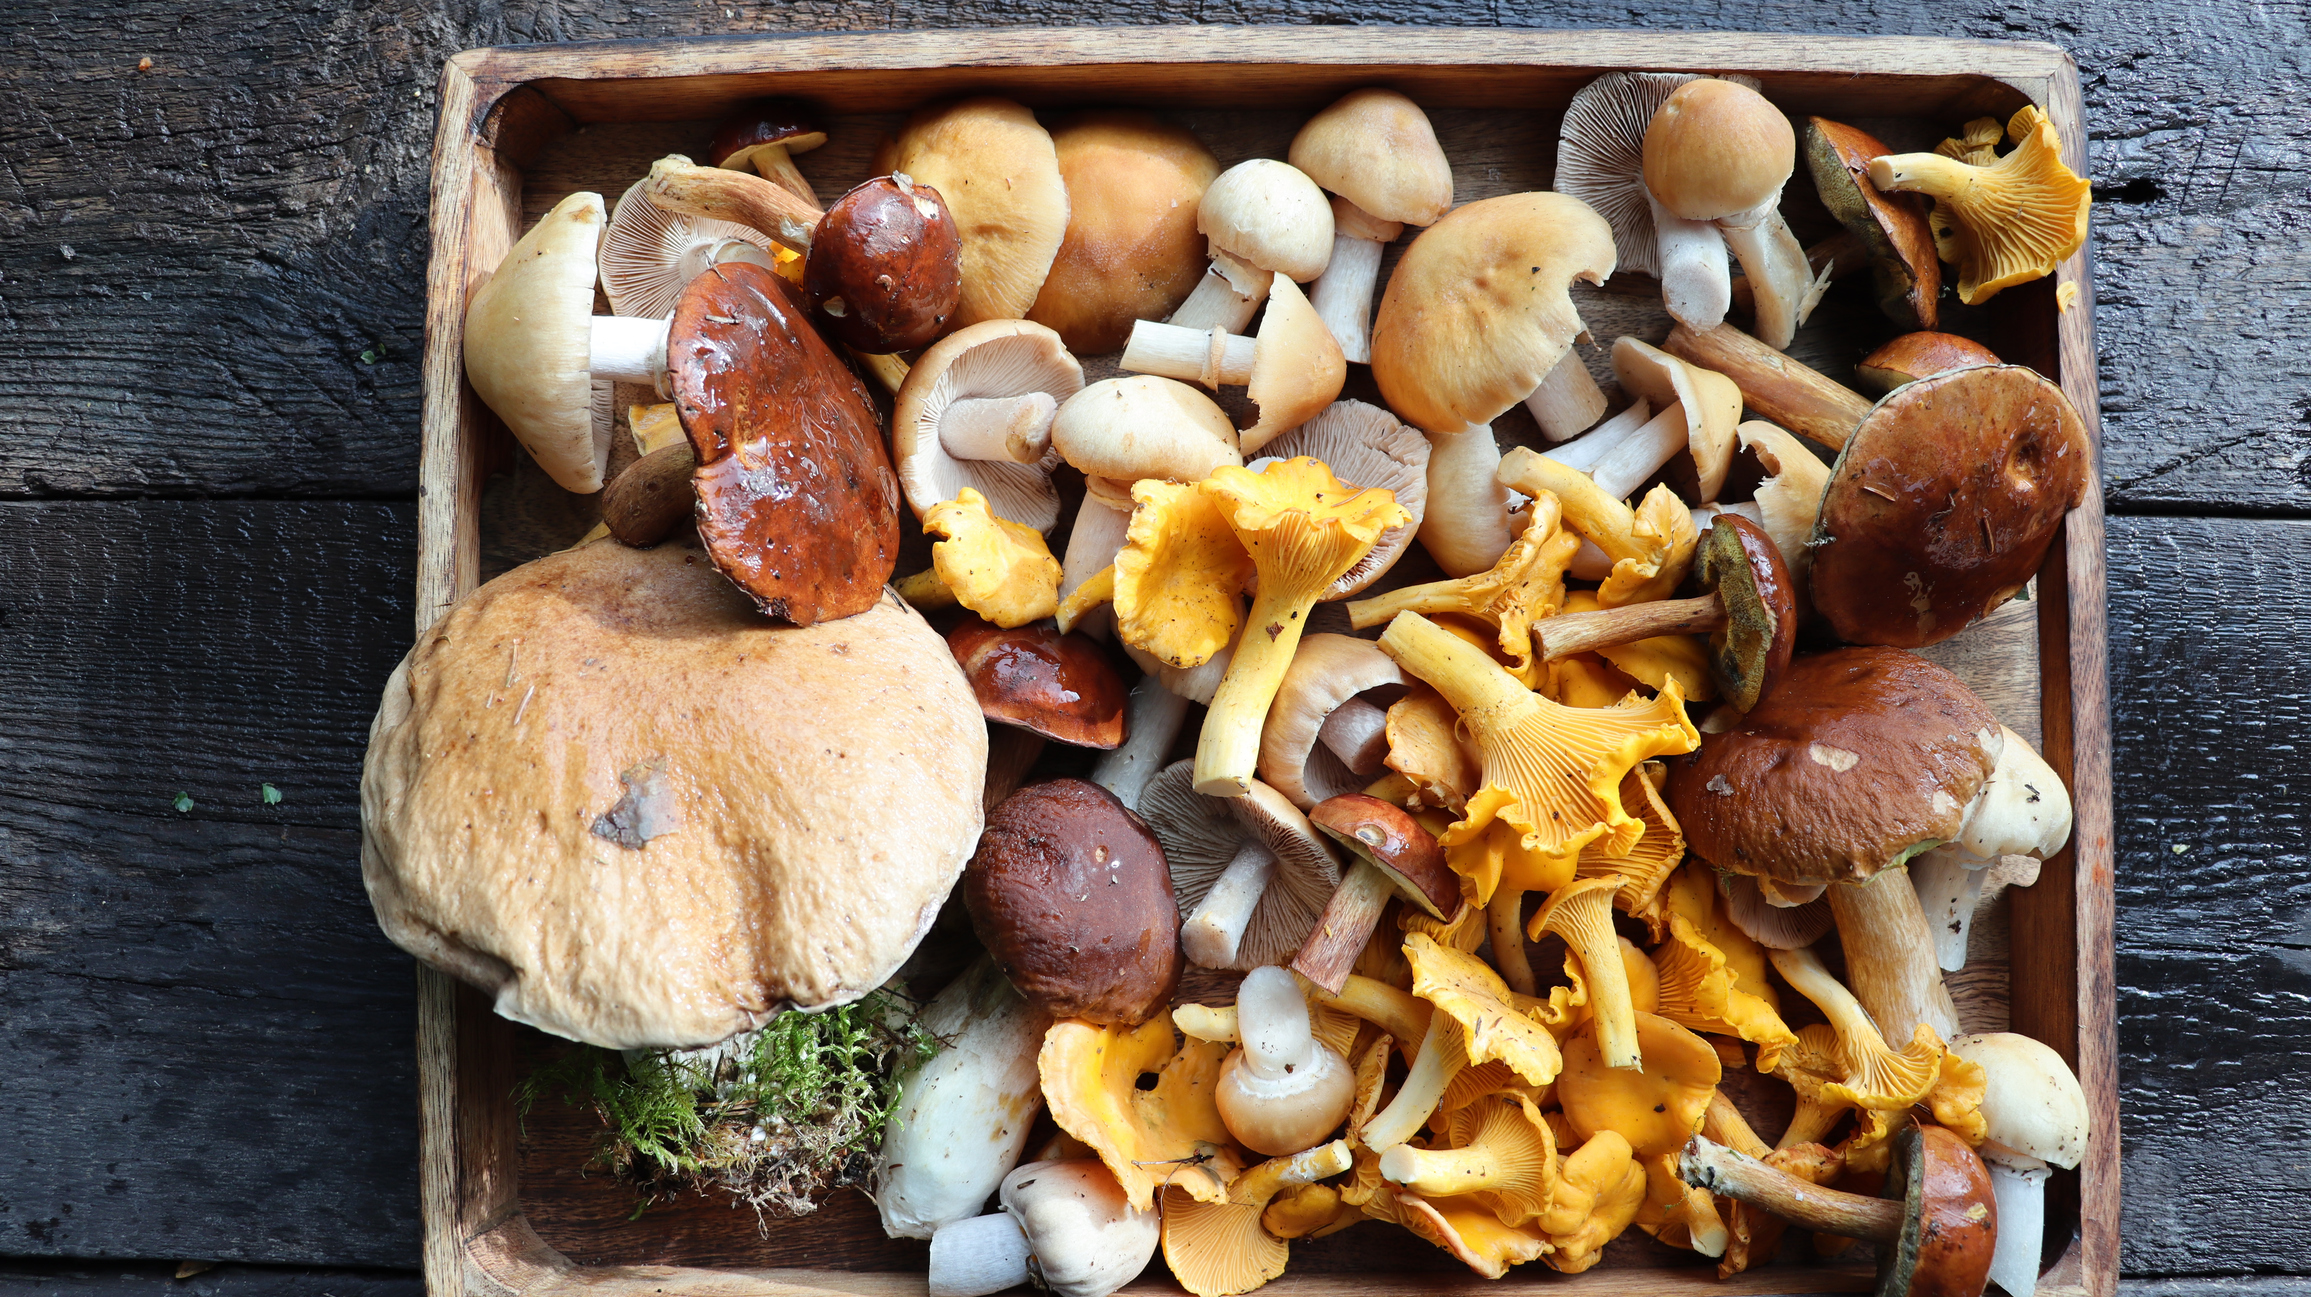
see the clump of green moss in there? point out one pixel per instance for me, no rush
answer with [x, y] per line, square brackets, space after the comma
[778, 1117]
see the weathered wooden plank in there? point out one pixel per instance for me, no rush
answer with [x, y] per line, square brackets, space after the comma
[158, 1279]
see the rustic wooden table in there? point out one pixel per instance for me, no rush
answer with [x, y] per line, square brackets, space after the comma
[212, 246]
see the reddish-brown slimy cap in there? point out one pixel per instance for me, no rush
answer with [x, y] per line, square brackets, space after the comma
[1060, 686]
[885, 268]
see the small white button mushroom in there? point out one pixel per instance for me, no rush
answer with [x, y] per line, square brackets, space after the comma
[1282, 1091]
[1065, 1225]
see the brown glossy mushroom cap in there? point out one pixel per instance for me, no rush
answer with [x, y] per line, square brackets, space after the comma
[1394, 842]
[1923, 354]
[759, 123]
[1070, 894]
[1943, 502]
[1132, 251]
[1949, 1219]
[797, 502]
[998, 172]
[1741, 563]
[885, 271]
[1891, 226]
[1856, 757]
[1060, 686]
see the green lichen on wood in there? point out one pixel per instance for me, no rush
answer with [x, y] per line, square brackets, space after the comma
[777, 1117]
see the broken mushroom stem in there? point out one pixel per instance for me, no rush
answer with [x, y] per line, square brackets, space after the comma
[1568, 400]
[1707, 1164]
[1211, 935]
[679, 185]
[1212, 356]
[1564, 635]
[1394, 855]
[1778, 389]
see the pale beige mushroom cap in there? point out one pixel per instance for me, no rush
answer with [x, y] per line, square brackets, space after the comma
[1326, 671]
[1297, 366]
[607, 792]
[528, 346]
[1364, 445]
[1143, 426]
[993, 358]
[2035, 1106]
[1716, 149]
[999, 172]
[1270, 214]
[1478, 312]
[1712, 404]
[1375, 148]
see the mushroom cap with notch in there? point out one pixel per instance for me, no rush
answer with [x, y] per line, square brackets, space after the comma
[1717, 148]
[1132, 250]
[1375, 148]
[528, 343]
[997, 169]
[1601, 157]
[2034, 1106]
[1711, 401]
[797, 503]
[992, 359]
[588, 847]
[1739, 561]
[1477, 311]
[758, 124]
[885, 268]
[1943, 503]
[1365, 446]
[648, 253]
[1201, 835]
[1854, 760]
[1269, 214]
[1297, 366]
[1142, 426]
[1891, 226]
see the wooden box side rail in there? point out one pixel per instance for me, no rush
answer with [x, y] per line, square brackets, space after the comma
[499, 107]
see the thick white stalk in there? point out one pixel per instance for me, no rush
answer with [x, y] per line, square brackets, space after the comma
[1640, 455]
[1949, 884]
[1342, 295]
[1696, 281]
[1466, 527]
[1215, 304]
[1357, 733]
[1780, 279]
[979, 1255]
[1098, 533]
[1568, 399]
[628, 349]
[1890, 960]
[956, 1131]
[1211, 356]
[2021, 1195]
[1584, 451]
[1210, 936]
[1149, 732]
[1014, 429]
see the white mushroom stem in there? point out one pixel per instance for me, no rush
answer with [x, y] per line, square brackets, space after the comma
[1949, 885]
[1584, 451]
[1466, 528]
[1149, 732]
[1211, 356]
[1092, 544]
[1015, 429]
[1781, 280]
[1696, 281]
[1210, 936]
[1641, 454]
[1357, 733]
[979, 1255]
[2019, 1185]
[1568, 399]
[1342, 295]
[1705, 516]
[627, 349]
[1216, 303]
[1890, 961]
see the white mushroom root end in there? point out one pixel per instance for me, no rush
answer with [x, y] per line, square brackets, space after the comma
[978, 1255]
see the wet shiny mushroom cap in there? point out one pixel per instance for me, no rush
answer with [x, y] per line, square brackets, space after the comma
[797, 503]
[1060, 686]
[1943, 503]
[885, 268]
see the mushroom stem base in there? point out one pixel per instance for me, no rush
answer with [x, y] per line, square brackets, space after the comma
[1210, 356]
[1709, 1165]
[1012, 429]
[1568, 399]
[979, 1255]
[1773, 386]
[2021, 1198]
[1579, 632]
[1149, 731]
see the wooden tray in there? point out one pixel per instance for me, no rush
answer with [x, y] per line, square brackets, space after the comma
[520, 127]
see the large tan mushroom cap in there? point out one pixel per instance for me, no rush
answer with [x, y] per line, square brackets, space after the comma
[1375, 148]
[528, 347]
[997, 169]
[1143, 426]
[609, 793]
[1716, 149]
[1132, 251]
[1477, 312]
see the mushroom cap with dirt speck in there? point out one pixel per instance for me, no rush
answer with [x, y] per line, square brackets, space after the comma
[553, 809]
[1375, 148]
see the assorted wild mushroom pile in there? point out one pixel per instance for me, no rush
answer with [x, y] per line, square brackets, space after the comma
[1481, 881]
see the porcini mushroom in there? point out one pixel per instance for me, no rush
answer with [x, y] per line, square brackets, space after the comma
[1060, 686]
[1365, 446]
[1282, 1091]
[649, 253]
[1066, 1225]
[1292, 370]
[1261, 218]
[977, 410]
[1131, 251]
[765, 134]
[2022, 809]
[1395, 856]
[1322, 738]
[1892, 227]
[1717, 155]
[1375, 150]
[1000, 174]
[1251, 873]
[1070, 894]
[1936, 1239]
[2037, 1119]
[2003, 224]
[1913, 356]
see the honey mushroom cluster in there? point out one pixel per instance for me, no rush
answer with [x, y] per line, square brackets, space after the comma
[1631, 714]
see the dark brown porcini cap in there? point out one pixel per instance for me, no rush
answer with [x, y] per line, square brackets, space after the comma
[1891, 226]
[886, 266]
[1396, 844]
[1943, 502]
[1069, 892]
[1743, 566]
[1856, 757]
[760, 123]
[797, 502]
[1063, 687]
